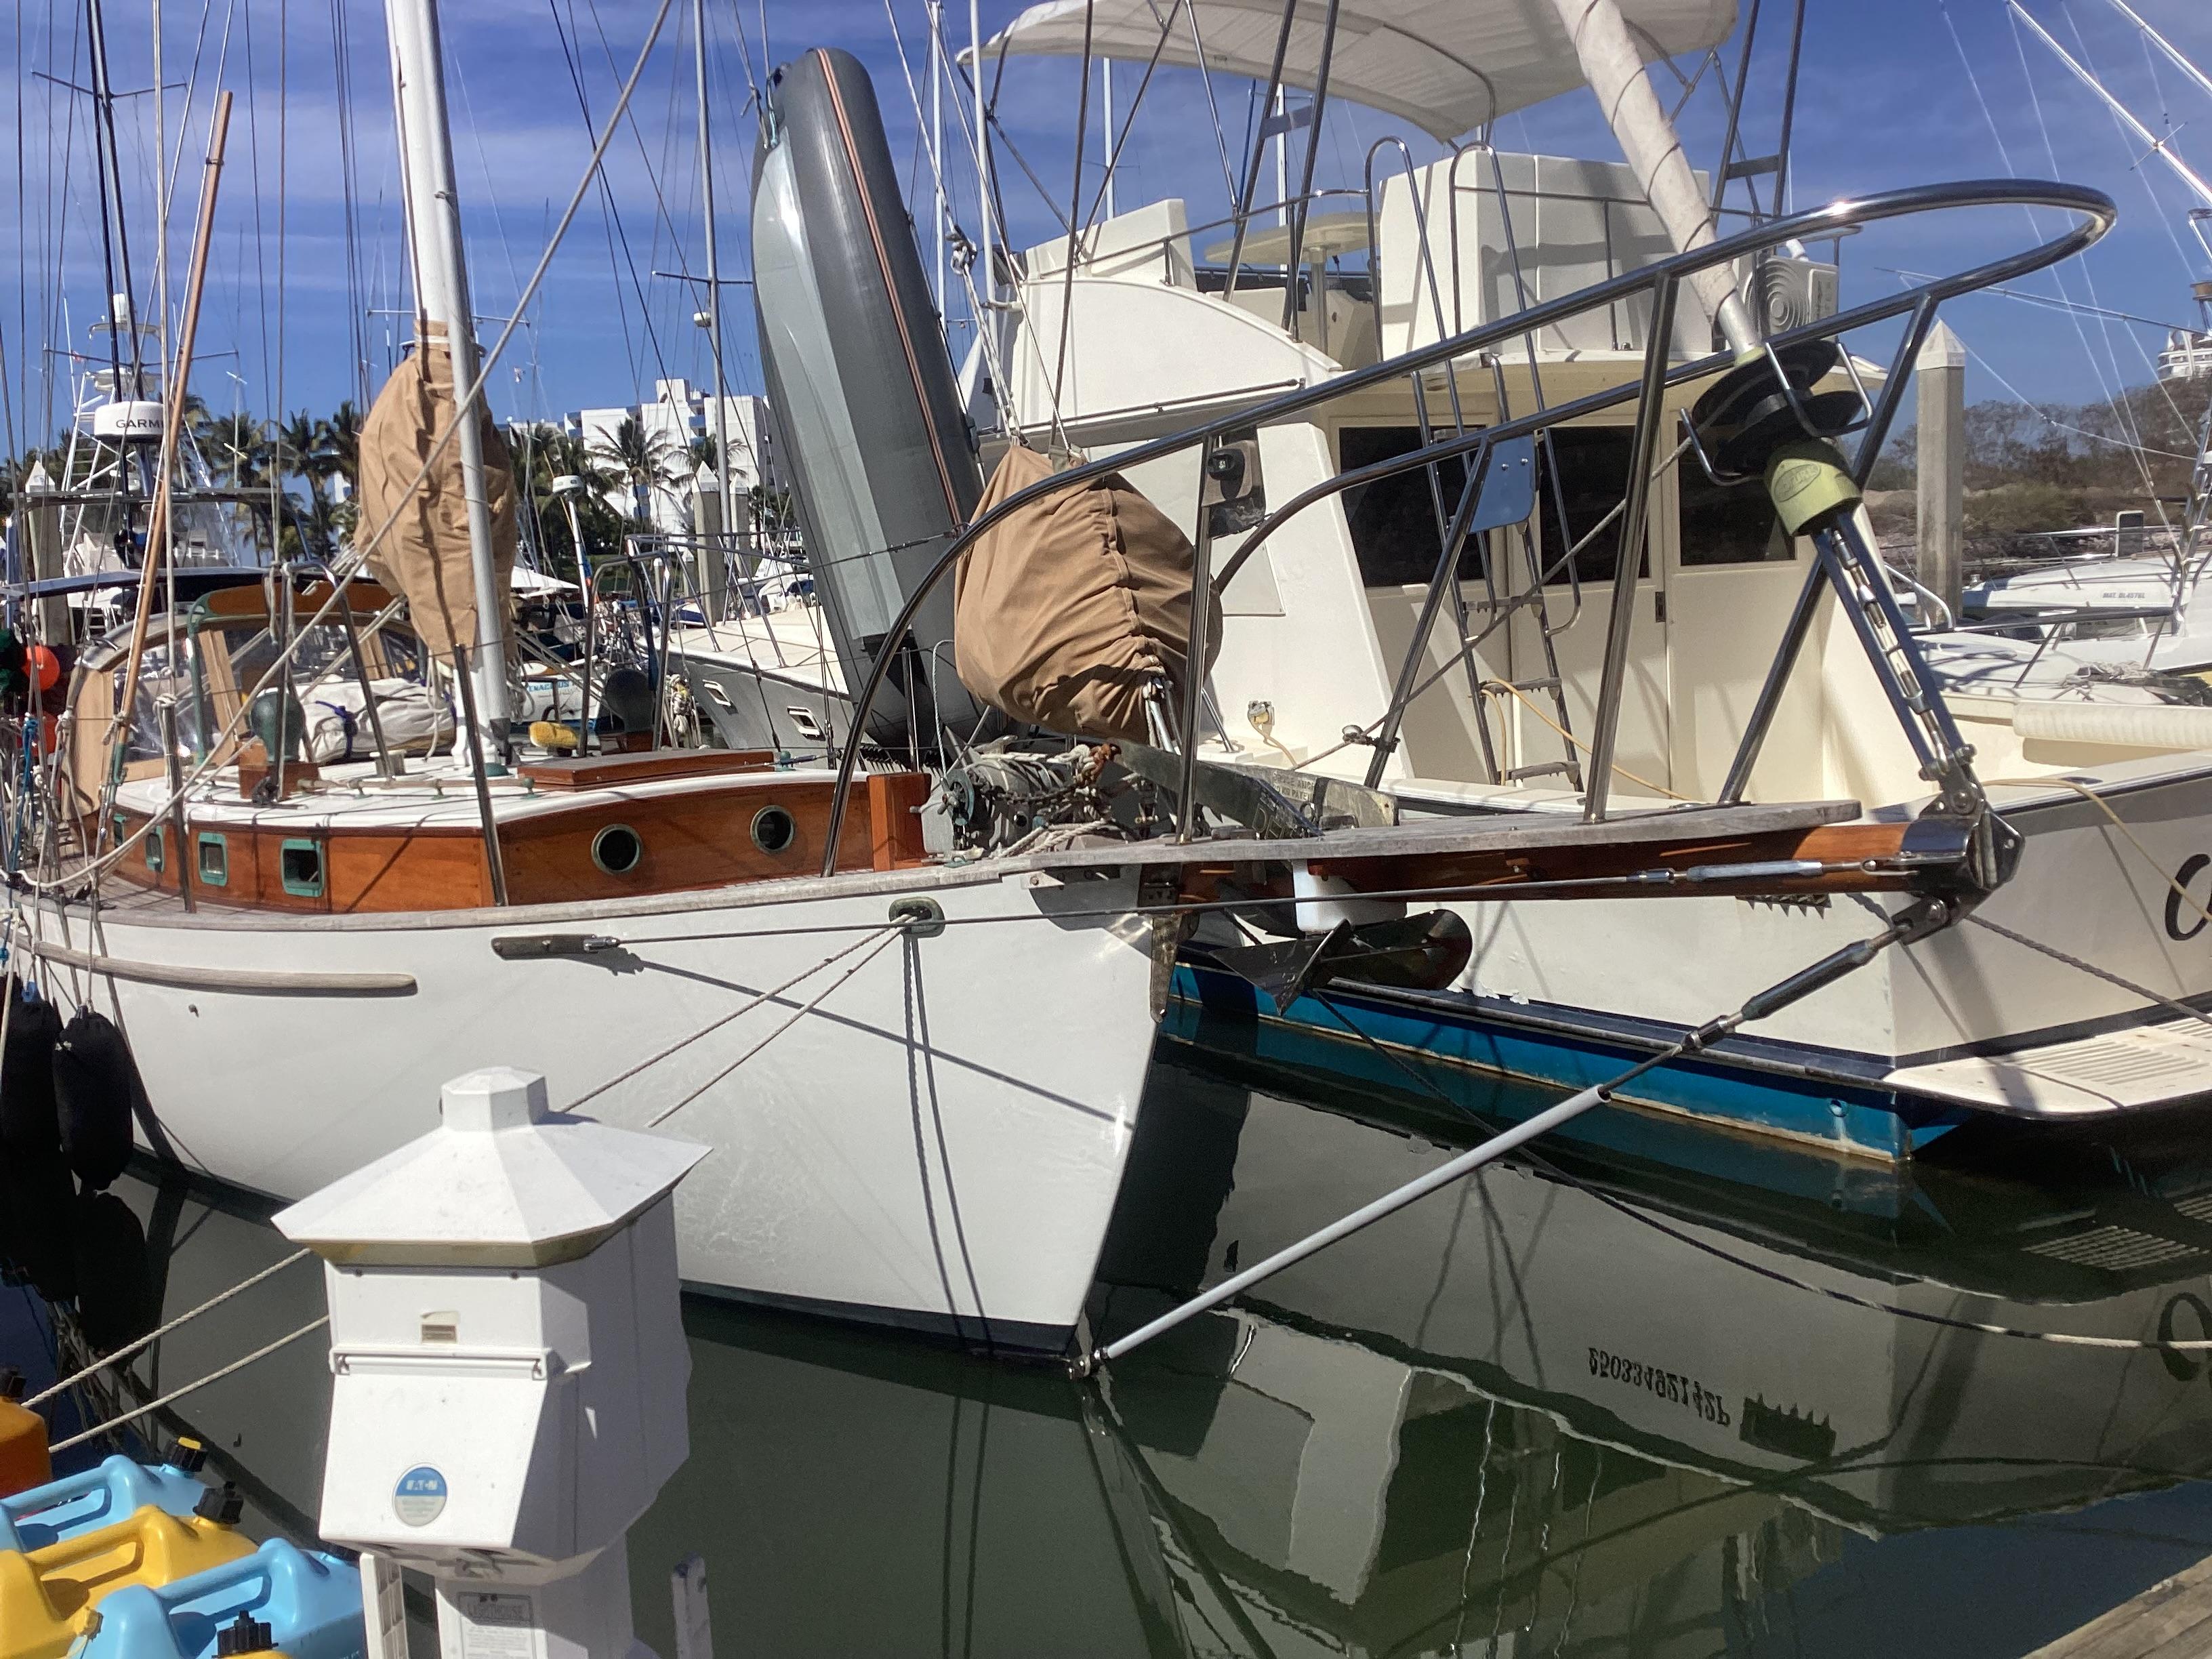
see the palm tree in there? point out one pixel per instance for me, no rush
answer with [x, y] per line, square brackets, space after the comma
[642, 459]
[297, 442]
[544, 454]
[338, 438]
[238, 449]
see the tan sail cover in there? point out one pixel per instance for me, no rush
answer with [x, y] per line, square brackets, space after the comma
[425, 553]
[1069, 608]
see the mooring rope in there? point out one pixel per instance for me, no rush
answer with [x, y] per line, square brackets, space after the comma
[805, 1009]
[880, 936]
[155, 1335]
[175, 1394]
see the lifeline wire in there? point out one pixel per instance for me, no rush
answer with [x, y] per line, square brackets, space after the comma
[174, 1394]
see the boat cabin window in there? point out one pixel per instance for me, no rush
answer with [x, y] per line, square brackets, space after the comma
[1726, 526]
[165, 670]
[1393, 521]
[1591, 466]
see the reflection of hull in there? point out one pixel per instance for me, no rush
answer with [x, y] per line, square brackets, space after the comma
[851, 1498]
[267, 1424]
[1995, 1214]
[907, 1152]
[1965, 1026]
[1545, 1294]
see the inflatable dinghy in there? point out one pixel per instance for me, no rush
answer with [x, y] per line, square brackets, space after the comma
[880, 453]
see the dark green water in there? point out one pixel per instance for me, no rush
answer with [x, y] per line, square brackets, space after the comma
[1657, 1393]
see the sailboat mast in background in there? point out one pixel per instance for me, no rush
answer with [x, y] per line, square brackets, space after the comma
[442, 301]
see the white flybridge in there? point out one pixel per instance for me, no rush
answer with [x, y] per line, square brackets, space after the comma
[1541, 669]
[1443, 66]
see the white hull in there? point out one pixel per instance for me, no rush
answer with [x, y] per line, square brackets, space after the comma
[1970, 1016]
[938, 1144]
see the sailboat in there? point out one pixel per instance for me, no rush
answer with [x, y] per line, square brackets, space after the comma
[918, 1070]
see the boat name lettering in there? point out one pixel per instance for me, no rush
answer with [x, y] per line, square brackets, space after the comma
[1667, 1385]
[2177, 890]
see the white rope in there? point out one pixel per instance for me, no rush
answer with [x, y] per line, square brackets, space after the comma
[174, 1394]
[155, 1335]
[806, 1009]
[879, 935]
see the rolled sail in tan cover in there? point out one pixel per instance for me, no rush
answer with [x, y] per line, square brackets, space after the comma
[1070, 609]
[425, 553]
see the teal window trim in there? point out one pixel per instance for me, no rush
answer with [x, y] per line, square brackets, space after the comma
[157, 849]
[301, 887]
[221, 843]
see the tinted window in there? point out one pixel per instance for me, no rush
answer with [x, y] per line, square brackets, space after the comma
[1727, 526]
[1393, 520]
[1591, 463]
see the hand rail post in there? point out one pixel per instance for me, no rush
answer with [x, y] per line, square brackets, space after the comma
[1614, 686]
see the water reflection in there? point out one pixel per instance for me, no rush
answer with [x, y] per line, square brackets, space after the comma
[1606, 1402]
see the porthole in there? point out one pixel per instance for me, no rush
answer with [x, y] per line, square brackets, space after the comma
[617, 849]
[301, 867]
[157, 851]
[773, 829]
[215, 860]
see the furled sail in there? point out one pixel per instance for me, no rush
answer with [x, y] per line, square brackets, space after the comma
[424, 554]
[1069, 611]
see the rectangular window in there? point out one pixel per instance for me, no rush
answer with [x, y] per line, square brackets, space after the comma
[215, 860]
[1591, 464]
[156, 853]
[1393, 520]
[1736, 526]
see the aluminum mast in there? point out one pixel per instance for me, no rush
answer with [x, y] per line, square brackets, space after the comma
[441, 297]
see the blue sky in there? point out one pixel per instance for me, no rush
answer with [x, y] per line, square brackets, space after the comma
[307, 265]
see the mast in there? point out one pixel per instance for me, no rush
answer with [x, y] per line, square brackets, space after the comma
[713, 584]
[1614, 69]
[441, 298]
[936, 9]
[988, 290]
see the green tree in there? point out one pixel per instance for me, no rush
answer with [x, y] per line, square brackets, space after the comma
[640, 459]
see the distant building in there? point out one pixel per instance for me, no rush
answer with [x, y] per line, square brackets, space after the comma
[679, 415]
[2187, 356]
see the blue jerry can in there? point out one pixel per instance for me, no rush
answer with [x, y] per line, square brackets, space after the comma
[310, 1603]
[112, 1491]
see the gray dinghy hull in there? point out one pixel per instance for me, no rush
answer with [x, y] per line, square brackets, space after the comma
[882, 461]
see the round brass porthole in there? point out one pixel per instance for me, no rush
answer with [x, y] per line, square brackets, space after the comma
[773, 829]
[617, 849]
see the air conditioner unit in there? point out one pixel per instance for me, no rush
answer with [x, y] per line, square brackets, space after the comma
[1784, 293]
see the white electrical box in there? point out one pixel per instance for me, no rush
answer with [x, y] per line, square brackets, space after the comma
[507, 1352]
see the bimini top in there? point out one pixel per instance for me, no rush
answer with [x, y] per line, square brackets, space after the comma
[1448, 66]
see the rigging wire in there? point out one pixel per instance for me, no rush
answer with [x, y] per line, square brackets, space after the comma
[2158, 213]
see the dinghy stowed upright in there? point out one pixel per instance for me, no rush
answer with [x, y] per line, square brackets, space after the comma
[882, 461]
